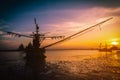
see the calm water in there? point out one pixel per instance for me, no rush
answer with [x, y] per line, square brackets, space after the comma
[70, 55]
[52, 56]
[8, 59]
[64, 65]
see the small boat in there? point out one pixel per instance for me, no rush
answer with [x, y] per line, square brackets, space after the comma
[105, 49]
[118, 52]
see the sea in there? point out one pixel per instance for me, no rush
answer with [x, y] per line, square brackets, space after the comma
[14, 57]
[64, 65]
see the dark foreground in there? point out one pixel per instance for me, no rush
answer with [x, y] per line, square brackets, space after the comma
[104, 67]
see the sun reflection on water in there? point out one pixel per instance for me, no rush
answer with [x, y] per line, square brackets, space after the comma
[98, 65]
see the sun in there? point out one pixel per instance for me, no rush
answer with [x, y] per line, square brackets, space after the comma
[114, 43]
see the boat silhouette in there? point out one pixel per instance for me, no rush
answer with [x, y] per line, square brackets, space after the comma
[36, 50]
[105, 49]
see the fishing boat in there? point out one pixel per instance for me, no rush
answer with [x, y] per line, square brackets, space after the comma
[105, 49]
[36, 50]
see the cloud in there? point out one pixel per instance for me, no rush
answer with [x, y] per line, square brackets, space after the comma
[1, 32]
[60, 17]
[7, 44]
[77, 19]
[114, 12]
[104, 3]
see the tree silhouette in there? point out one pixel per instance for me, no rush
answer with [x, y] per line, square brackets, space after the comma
[29, 46]
[21, 47]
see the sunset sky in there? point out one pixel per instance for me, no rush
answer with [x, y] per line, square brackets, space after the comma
[60, 17]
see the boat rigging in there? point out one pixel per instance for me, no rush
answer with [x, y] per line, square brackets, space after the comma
[38, 38]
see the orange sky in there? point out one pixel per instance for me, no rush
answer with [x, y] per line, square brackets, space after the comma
[106, 33]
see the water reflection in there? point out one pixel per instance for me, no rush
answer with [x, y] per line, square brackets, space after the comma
[100, 66]
[35, 64]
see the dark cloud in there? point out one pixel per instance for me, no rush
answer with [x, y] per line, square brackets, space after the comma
[15, 4]
[115, 13]
[10, 8]
[104, 3]
[5, 44]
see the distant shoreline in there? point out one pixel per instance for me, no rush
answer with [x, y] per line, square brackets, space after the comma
[46, 49]
[8, 50]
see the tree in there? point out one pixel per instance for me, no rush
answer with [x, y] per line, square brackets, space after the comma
[21, 47]
[29, 46]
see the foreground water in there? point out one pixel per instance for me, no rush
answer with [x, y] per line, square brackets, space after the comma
[52, 55]
[65, 65]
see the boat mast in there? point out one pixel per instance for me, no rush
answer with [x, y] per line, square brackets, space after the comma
[36, 36]
[106, 46]
[100, 46]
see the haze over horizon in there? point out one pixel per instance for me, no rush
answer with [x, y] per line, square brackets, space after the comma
[60, 17]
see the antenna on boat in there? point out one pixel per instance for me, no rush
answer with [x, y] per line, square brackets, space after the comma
[37, 27]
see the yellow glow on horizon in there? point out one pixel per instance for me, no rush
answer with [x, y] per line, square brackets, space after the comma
[114, 43]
